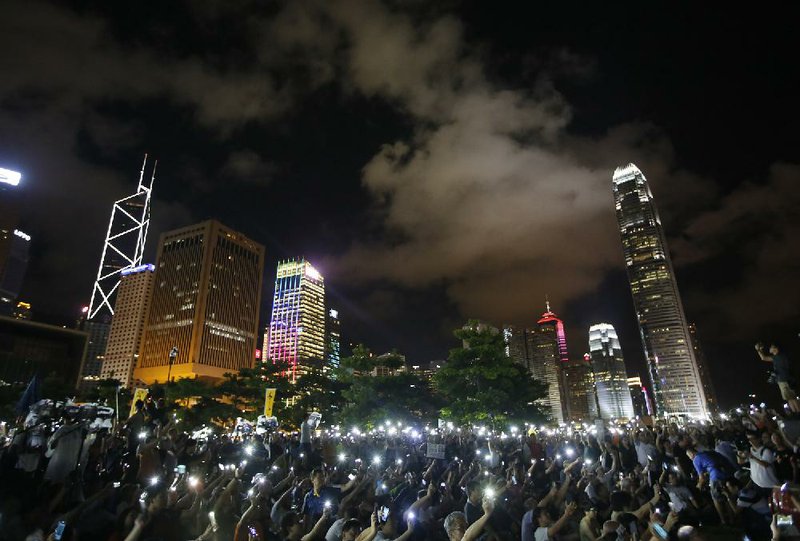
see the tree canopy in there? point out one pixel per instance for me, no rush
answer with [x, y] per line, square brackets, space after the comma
[480, 383]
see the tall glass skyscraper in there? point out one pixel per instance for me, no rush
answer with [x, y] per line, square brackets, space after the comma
[610, 376]
[297, 327]
[548, 352]
[677, 387]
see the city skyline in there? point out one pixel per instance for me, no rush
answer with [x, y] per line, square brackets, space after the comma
[437, 162]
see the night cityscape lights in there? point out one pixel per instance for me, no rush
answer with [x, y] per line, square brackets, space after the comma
[297, 327]
[665, 335]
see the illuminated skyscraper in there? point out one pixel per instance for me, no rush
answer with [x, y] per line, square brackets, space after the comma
[123, 249]
[333, 339]
[205, 301]
[548, 349]
[610, 376]
[14, 243]
[297, 326]
[124, 244]
[127, 327]
[677, 387]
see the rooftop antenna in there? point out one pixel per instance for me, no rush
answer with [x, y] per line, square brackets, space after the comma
[547, 301]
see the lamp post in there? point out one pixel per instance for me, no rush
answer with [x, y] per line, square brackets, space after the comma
[172, 354]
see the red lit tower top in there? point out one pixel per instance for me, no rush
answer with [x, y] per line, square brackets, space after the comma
[550, 319]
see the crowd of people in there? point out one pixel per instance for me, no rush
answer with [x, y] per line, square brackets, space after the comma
[149, 479]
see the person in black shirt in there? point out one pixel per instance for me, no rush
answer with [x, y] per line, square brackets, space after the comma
[783, 373]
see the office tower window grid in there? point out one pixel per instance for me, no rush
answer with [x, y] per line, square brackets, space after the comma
[205, 302]
[664, 332]
[127, 326]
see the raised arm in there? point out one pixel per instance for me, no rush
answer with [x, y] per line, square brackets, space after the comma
[475, 530]
[559, 524]
[319, 528]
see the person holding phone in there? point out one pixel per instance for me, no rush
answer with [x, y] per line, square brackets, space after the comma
[782, 373]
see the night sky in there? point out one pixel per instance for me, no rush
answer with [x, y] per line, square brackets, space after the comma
[435, 162]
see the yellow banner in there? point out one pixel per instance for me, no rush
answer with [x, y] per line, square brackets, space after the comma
[138, 394]
[269, 401]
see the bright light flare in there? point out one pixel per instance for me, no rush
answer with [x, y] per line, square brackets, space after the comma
[7, 176]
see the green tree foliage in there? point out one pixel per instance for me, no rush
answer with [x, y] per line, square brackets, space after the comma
[373, 399]
[479, 383]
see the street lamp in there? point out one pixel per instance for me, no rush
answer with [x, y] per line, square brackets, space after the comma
[172, 354]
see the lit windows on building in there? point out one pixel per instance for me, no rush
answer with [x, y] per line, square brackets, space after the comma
[610, 376]
[296, 331]
[205, 302]
[674, 373]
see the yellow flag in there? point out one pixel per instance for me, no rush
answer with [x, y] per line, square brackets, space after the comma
[269, 401]
[138, 394]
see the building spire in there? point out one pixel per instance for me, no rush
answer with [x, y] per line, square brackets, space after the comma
[547, 301]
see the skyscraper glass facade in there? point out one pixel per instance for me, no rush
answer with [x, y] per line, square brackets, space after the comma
[610, 376]
[548, 354]
[297, 326]
[665, 335]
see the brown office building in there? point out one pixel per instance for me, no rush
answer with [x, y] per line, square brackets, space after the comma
[127, 327]
[205, 302]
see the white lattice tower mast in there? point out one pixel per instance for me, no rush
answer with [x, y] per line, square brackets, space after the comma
[124, 244]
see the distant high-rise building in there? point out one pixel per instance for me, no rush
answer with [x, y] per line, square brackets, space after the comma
[297, 326]
[14, 248]
[641, 400]
[333, 339]
[123, 249]
[205, 301]
[127, 327]
[705, 372]
[548, 347]
[677, 388]
[124, 244]
[579, 390]
[610, 376]
[519, 345]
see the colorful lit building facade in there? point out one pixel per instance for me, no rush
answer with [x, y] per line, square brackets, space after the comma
[205, 302]
[610, 376]
[674, 373]
[296, 331]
